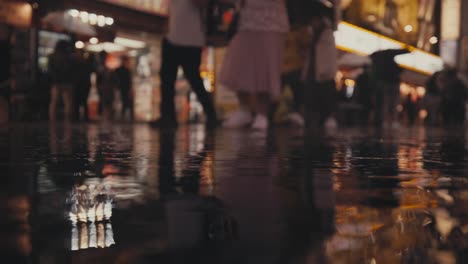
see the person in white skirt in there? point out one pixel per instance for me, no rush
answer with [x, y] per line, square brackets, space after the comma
[252, 65]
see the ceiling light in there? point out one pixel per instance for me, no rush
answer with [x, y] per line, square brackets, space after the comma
[101, 21]
[107, 46]
[79, 44]
[130, 43]
[74, 12]
[93, 19]
[93, 40]
[109, 21]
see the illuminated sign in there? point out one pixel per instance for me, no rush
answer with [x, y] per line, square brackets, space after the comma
[450, 20]
[158, 7]
[16, 14]
[357, 40]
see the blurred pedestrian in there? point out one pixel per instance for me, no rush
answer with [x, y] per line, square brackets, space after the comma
[411, 106]
[84, 68]
[5, 68]
[386, 80]
[293, 62]
[44, 88]
[252, 65]
[433, 98]
[320, 69]
[453, 99]
[363, 93]
[61, 69]
[124, 83]
[106, 85]
[182, 46]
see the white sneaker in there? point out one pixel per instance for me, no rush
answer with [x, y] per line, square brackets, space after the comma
[296, 119]
[238, 119]
[260, 122]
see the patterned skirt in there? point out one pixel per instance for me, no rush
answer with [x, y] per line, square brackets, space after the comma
[253, 62]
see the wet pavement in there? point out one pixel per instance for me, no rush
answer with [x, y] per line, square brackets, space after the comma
[123, 193]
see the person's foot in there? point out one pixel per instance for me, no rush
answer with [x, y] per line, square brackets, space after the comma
[296, 119]
[260, 122]
[163, 123]
[238, 119]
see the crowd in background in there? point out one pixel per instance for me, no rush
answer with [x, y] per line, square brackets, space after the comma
[275, 46]
[69, 79]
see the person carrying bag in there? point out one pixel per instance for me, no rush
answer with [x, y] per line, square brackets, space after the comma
[183, 46]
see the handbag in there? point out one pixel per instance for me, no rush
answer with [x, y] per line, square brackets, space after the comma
[222, 19]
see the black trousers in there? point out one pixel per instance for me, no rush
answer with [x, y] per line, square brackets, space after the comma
[189, 58]
[320, 101]
[293, 79]
[81, 100]
[127, 102]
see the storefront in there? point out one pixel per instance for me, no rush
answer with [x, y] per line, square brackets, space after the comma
[135, 29]
[16, 69]
[355, 44]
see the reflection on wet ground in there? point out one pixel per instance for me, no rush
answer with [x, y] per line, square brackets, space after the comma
[131, 194]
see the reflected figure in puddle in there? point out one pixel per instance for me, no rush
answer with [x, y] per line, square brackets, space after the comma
[376, 166]
[198, 225]
[310, 209]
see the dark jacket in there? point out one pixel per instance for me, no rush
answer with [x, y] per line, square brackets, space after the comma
[61, 68]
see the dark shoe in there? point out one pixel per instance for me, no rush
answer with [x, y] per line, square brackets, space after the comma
[163, 123]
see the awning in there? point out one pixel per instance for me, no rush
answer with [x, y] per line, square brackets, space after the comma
[64, 21]
[18, 14]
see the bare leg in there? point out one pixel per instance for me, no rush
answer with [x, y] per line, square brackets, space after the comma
[53, 102]
[67, 95]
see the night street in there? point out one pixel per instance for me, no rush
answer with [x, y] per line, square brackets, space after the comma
[127, 193]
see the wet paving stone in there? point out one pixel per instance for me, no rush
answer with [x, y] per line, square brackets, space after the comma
[123, 193]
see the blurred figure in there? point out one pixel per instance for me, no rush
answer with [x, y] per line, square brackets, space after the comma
[364, 95]
[43, 84]
[5, 71]
[182, 46]
[106, 83]
[320, 69]
[252, 65]
[61, 69]
[386, 80]
[293, 62]
[433, 98]
[83, 85]
[124, 83]
[411, 106]
[453, 99]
